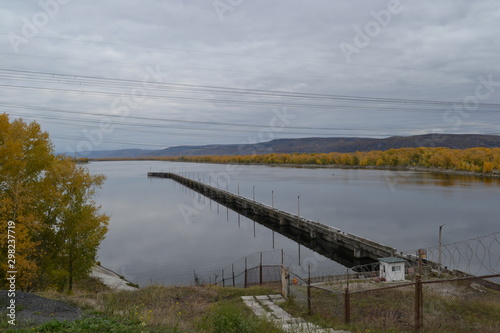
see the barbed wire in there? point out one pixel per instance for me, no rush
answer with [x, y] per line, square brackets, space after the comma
[472, 257]
[476, 256]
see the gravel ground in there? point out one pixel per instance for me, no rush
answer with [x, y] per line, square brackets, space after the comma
[32, 310]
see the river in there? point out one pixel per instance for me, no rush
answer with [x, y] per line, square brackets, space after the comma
[161, 232]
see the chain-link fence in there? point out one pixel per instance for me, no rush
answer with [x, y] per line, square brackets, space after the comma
[466, 304]
[433, 290]
[257, 269]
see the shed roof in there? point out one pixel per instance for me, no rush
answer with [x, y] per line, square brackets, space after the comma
[391, 260]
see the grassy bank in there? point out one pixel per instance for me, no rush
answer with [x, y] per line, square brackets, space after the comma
[156, 309]
[458, 307]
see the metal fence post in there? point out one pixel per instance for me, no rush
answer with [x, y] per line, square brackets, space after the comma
[260, 270]
[347, 306]
[245, 282]
[419, 304]
[347, 301]
[309, 306]
[284, 282]
[232, 269]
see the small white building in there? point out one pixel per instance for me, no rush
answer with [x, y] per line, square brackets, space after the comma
[392, 269]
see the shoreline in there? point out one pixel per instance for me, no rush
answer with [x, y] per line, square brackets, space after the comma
[452, 172]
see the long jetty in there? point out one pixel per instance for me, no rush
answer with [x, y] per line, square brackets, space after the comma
[343, 247]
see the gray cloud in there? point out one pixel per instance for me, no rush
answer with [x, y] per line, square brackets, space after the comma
[423, 51]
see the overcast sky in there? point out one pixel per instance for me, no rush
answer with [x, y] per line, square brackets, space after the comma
[157, 73]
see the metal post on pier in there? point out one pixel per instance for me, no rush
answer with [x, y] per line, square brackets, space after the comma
[298, 207]
[272, 205]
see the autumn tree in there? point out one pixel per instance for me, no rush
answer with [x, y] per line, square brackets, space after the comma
[77, 228]
[25, 153]
[486, 160]
[58, 226]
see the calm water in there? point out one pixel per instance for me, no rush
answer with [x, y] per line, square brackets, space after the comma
[160, 232]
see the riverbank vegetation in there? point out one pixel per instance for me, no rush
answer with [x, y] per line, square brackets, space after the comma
[483, 160]
[46, 206]
[477, 160]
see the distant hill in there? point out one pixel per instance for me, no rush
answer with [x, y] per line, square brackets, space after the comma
[315, 145]
[122, 153]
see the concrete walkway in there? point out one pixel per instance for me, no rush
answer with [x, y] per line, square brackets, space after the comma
[266, 306]
[110, 278]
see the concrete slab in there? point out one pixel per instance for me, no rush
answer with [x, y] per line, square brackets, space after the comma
[277, 298]
[262, 297]
[280, 317]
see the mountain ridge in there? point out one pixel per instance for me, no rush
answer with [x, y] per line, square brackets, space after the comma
[312, 145]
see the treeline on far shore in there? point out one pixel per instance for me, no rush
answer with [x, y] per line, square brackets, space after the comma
[480, 160]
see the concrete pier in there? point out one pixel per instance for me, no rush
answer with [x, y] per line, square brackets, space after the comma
[345, 248]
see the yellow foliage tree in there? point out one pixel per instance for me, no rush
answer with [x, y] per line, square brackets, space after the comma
[49, 199]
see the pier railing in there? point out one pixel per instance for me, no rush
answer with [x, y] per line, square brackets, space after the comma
[340, 246]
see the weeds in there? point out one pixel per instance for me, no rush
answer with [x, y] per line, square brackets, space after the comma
[89, 324]
[448, 307]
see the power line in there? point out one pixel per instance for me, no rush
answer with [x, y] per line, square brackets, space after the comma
[225, 90]
[357, 79]
[156, 120]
